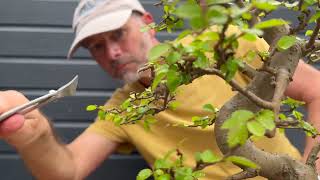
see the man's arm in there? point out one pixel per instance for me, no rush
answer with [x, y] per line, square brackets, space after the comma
[44, 155]
[306, 87]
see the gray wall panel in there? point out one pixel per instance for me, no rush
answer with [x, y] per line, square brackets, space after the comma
[38, 43]
[46, 74]
[48, 12]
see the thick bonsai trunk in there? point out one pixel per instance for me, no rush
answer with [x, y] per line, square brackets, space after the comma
[277, 167]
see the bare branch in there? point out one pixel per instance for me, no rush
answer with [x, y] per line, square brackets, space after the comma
[313, 36]
[313, 156]
[248, 70]
[248, 173]
[253, 97]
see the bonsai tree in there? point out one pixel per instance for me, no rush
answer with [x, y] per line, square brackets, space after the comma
[256, 110]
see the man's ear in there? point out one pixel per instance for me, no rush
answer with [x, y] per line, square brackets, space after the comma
[147, 18]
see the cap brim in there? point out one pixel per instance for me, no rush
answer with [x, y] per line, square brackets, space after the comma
[104, 23]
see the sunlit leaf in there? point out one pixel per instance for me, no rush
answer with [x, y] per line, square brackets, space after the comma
[266, 118]
[270, 23]
[286, 42]
[91, 107]
[144, 174]
[158, 51]
[256, 128]
[242, 161]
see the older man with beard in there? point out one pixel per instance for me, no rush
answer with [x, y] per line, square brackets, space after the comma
[110, 30]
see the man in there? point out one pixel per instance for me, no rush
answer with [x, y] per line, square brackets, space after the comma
[110, 30]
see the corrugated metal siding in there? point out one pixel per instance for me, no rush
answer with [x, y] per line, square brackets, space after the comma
[34, 39]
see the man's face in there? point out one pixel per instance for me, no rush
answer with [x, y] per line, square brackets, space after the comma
[123, 51]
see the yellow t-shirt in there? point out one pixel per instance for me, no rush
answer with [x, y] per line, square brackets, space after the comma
[164, 137]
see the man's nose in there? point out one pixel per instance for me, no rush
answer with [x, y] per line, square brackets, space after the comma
[114, 50]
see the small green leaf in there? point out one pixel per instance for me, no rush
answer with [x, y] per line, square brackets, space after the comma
[188, 10]
[242, 161]
[174, 79]
[91, 107]
[173, 105]
[210, 108]
[163, 177]
[256, 128]
[101, 115]
[144, 174]
[217, 15]
[158, 51]
[184, 34]
[238, 132]
[207, 157]
[265, 5]
[125, 104]
[162, 164]
[157, 80]
[173, 57]
[202, 61]
[286, 42]
[183, 173]
[314, 17]
[270, 23]
[266, 118]
[198, 174]
[308, 33]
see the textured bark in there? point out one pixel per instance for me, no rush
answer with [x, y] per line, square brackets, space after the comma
[277, 167]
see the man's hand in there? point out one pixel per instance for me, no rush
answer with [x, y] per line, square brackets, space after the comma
[20, 130]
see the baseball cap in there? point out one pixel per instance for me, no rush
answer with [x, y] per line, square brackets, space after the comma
[92, 17]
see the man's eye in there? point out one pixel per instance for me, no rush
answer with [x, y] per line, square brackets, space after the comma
[117, 35]
[96, 47]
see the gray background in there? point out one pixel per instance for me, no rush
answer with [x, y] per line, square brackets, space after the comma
[34, 39]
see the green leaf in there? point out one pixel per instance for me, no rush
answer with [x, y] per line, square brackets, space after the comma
[91, 107]
[282, 116]
[314, 17]
[173, 105]
[198, 174]
[158, 51]
[298, 115]
[237, 117]
[249, 37]
[174, 79]
[207, 157]
[286, 42]
[217, 15]
[238, 132]
[202, 61]
[183, 173]
[242, 161]
[270, 23]
[256, 128]
[265, 5]
[163, 177]
[125, 104]
[157, 80]
[173, 57]
[210, 108]
[162, 164]
[188, 11]
[309, 129]
[198, 23]
[144, 174]
[184, 34]
[101, 115]
[308, 33]
[266, 119]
